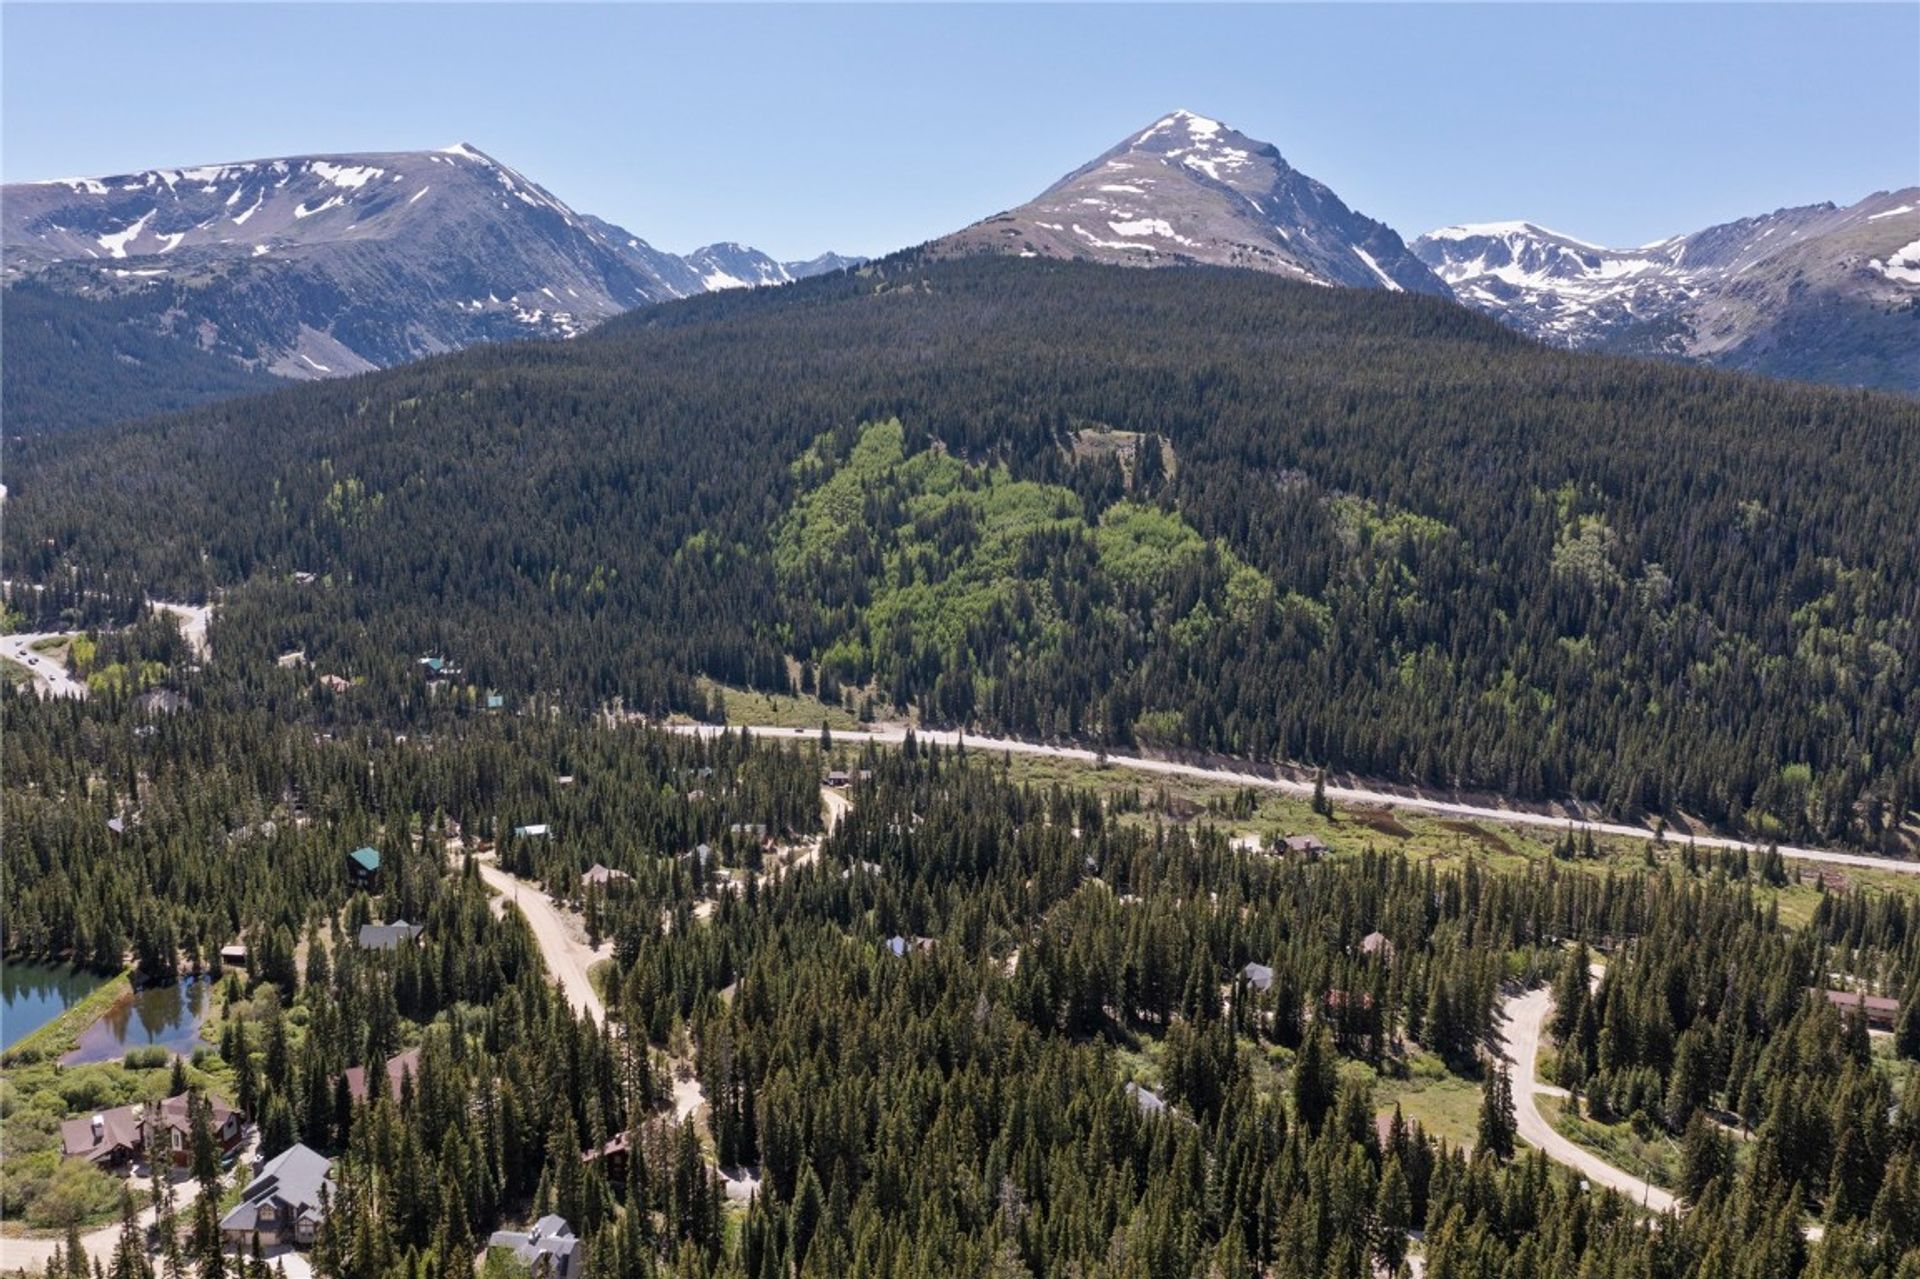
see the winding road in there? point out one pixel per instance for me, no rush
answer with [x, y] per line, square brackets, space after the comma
[558, 931]
[1525, 1017]
[193, 624]
[1407, 798]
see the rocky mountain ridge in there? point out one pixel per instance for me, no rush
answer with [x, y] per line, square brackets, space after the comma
[315, 266]
[1820, 292]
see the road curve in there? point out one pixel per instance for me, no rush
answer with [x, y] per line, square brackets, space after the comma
[1525, 1016]
[193, 619]
[568, 957]
[50, 677]
[1292, 786]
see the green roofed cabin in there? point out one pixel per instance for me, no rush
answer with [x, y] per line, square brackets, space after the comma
[363, 867]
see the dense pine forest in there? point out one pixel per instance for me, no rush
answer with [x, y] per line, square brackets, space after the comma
[68, 363]
[979, 1028]
[1199, 508]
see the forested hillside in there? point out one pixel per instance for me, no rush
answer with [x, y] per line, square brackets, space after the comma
[1385, 534]
[69, 362]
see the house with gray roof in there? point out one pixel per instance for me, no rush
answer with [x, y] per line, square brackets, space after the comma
[550, 1249]
[388, 936]
[1307, 846]
[284, 1203]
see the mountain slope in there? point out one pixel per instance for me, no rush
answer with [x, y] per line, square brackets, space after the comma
[316, 266]
[1821, 293]
[1189, 190]
[1151, 507]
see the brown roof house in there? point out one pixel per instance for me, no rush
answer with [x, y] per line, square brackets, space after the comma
[399, 1066]
[1307, 846]
[1376, 943]
[613, 1157]
[117, 1138]
[177, 1118]
[109, 1139]
[602, 875]
[1879, 1011]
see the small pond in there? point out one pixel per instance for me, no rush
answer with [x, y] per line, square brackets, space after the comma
[33, 994]
[169, 1016]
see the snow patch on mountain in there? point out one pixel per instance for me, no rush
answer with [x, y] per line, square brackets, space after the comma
[1903, 265]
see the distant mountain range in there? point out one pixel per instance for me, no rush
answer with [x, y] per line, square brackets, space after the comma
[1822, 293]
[316, 266]
[154, 290]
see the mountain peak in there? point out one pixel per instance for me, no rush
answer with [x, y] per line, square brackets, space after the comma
[1192, 124]
[1191, 190]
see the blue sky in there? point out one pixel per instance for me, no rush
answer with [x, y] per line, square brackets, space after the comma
[867, 127]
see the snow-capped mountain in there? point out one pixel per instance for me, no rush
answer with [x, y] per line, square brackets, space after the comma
[738, 266]
[1817, 292]
[313, 266]
[1189, 190]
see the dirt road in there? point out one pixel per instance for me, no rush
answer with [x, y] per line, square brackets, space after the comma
[562, 943]
[1408, 798]
[1525, 1016]
[836, 805]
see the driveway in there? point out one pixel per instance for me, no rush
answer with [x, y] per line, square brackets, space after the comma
[98, 1244]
